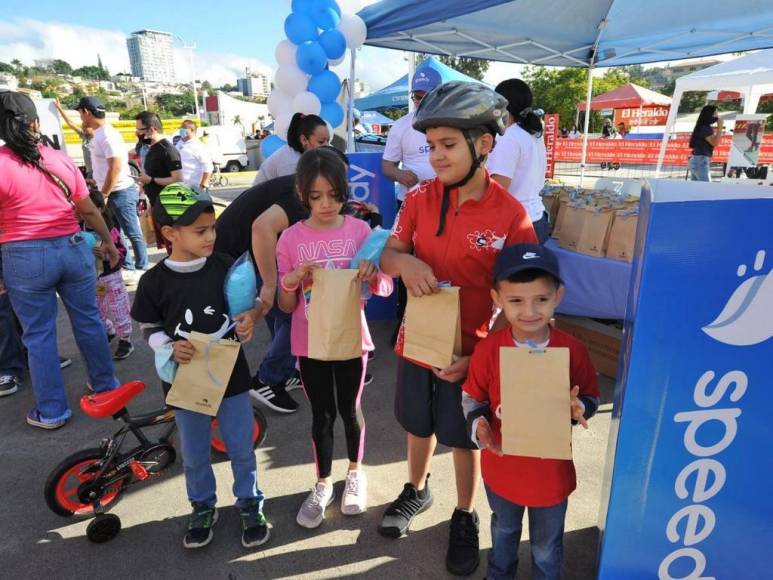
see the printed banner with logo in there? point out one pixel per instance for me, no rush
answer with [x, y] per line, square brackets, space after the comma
[690, 442]
[645, 151]
[642, 117]
[551, 137]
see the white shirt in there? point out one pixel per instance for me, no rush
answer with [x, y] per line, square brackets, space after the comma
[108, 144]
[282, 162]
[196, 160]
[408, 146]
[521, 157]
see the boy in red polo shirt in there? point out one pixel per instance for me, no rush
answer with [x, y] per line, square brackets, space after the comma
[450, 228]
[528, 288]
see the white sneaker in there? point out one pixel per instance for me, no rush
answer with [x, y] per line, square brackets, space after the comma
[312, 510]
[355, 498]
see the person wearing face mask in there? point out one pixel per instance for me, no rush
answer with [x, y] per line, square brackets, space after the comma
[42, 194]
[162, 164]
[195, 157]
[702, 142]
[305, 132]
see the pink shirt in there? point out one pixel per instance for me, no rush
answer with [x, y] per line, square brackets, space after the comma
[32, 206]
[333, 248]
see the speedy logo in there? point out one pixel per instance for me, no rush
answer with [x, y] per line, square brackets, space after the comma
[747, 318]
[359, 182]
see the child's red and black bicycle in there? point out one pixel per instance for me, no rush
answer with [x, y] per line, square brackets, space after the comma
[90, 482]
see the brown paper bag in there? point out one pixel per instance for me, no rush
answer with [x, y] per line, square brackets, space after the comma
[595, 232]
[335, 326]
[200, 385]
[622, 236]
[571, 227]
[148, 231]
[536, 419]
[560, 210]
[433, 331]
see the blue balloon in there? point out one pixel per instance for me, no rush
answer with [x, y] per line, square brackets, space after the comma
[311, 58]
[326, 85]
[300, 28]
[333, 113]
[334, 43]
[329, 4]
[325, 17]
[269, 145]
[303, 6]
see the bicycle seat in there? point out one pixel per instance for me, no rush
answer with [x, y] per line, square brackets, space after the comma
[108, 403]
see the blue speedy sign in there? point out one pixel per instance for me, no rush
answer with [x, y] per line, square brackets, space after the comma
[692, 432]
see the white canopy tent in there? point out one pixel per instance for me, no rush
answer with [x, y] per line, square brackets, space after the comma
[750, 75]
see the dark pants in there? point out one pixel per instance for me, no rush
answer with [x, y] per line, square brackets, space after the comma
[11, 353]
[328, 382]
[542, 228]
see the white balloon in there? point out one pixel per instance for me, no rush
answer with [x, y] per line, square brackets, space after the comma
[291, 80]
[307, 103]
[279, 102]
[337, 61]
[354, 30]
[285, 52]
[281, 124]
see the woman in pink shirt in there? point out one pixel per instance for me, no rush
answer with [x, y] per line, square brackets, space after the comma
[327, 240]
[44, 254]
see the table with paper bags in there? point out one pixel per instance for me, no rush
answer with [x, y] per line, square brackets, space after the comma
[595, 223]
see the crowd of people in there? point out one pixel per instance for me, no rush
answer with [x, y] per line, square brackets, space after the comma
[469, 163]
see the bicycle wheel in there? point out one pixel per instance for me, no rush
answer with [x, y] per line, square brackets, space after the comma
[223, 181]
[66, 482]
[260, 426]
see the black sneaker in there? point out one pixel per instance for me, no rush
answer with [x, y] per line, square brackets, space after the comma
[200, 526]
[294, 382]
[368, 379]
[9, 384]
[254, 528]
[124, 349]
[463, 547]
[371, 354]
[64, 362]
[273, 396]
[399, 515]
[111, 337]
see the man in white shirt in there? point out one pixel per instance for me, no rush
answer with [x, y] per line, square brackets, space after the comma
[406, 156]
[195, 157]
[110, 166]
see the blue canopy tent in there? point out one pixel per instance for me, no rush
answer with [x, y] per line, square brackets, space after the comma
[573, 33]
[375, 118]
[395, 96]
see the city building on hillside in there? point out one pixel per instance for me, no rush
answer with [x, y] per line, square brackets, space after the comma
[254, 84]
[8, 82]
[151, 55]
[661, 76]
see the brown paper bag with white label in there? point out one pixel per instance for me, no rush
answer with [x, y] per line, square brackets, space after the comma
[200, 385]
[535, 395]
[335, 324]
[433, 330]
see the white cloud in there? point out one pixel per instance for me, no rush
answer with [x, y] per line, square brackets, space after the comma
[29, 40]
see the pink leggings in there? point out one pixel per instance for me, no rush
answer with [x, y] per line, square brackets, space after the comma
[113, 301]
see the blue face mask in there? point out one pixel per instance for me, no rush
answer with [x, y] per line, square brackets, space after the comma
[165, 366]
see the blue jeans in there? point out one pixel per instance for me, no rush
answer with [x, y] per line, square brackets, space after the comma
[279, 363]
[546, 536]
[123, 203]
[35, 271]
[700, 168]
[236, 421]
[11, 354]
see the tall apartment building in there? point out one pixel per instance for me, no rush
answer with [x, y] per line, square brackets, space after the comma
[254, 84]
[151, 55]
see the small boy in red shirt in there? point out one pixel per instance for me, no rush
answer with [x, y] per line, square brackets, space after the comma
[528, 288]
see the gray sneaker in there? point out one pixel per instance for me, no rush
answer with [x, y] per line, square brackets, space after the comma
[312, 510]
[9, 384]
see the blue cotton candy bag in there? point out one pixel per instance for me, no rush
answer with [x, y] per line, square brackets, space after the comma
[241, 286]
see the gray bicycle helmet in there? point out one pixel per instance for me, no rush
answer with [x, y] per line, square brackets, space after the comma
[467, 107]
[464, 106]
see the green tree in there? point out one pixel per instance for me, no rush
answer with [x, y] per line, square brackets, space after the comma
[691, 102]
[472, 67]
[92, 72]
[7, 68]
[206, 88]
[637, 75]
[175, 105]
[60, 67]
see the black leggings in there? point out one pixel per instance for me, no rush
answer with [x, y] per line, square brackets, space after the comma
[325, 383]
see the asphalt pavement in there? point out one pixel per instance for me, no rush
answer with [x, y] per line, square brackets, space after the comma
[36, 543]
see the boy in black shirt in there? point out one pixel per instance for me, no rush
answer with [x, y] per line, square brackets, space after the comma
[183, 293]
